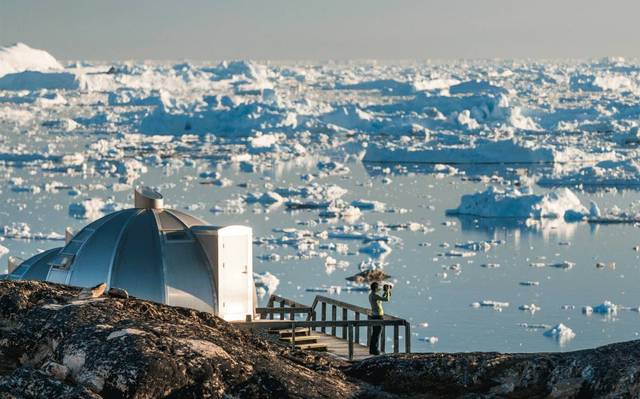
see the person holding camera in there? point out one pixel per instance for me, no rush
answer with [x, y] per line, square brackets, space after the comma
[375, 299]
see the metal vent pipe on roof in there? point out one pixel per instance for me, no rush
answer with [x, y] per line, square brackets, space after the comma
[147, 198]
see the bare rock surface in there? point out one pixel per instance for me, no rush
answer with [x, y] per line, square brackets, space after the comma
[611, 371]
[54, 345]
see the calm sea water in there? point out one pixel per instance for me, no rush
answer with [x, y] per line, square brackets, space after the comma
[421, 294]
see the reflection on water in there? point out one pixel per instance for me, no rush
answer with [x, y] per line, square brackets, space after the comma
[431, 288]
[548, 229]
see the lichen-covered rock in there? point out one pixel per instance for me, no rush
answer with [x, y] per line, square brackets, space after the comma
[119, 348]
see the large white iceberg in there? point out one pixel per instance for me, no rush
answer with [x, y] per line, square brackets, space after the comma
[25, 68]
[20, 57]
[478, 152]
[513, 203]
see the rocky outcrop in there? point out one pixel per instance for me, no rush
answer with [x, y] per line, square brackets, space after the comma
[611, 371]
[53, 344]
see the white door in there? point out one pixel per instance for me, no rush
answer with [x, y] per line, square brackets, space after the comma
[236, 276]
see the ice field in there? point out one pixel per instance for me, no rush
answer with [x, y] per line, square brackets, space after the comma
[501, 196]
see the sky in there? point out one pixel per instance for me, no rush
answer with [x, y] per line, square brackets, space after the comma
[323, 29]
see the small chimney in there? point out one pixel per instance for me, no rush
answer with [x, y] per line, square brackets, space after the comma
[147, 198]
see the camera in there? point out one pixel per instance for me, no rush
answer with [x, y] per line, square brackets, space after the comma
[386, 287]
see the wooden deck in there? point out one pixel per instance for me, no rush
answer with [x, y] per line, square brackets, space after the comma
[340, 347]
[291, 321]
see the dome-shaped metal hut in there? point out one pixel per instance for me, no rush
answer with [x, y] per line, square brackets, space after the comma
[159, 254]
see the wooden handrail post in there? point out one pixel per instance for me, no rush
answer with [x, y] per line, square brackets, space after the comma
[396, 339]
[368, 332]
[357, 336]
[334, 316]
[350, 339]
[383, 338]
[345, 316]
[407, 337]
[323, 316]
[293, 334]
[282, 310]
[292, 315]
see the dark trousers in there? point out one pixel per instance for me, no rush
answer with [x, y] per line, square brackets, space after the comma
[374, 340]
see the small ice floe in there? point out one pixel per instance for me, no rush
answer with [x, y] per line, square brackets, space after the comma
[534, 326]
[529, 307]
[460, 254]
[605, 308]
[266, 283]
[563, 265]
[267, 198]
[23, 231]
[431, 340]
[490, 265]
[455, 268]
[530, 283]
[568, 307]
[270, 257]
[336, 289]
[490, 304]
[369, 205]
[376, 248]
[92, 208]
[423, 324]
[537, 264]
[475, 246]
[561, 333]
[3, 251]
[603, 265]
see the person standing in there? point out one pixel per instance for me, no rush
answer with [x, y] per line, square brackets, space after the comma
[375, 299]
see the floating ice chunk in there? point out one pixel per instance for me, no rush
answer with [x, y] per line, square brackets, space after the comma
[594, 210]
[513, 203]
[34, 80]
[460, 254]
[265, 283]
[481, 246]
[3, 251]
[376, 248]
[481, 151]
[606, 308]
[535, 326]
[268, 198]
[560, 332]
[529, 307]
[431, 340]
[530, 283]
[92, 208]
[369, 205]
[563, 265]
[490, 303]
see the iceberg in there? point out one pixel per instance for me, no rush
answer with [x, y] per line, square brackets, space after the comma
[513, 203]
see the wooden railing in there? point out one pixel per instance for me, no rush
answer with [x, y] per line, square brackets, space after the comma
[353, 319]
[285, 307]
[347, 309]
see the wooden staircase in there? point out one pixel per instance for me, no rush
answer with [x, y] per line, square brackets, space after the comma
[302, 338]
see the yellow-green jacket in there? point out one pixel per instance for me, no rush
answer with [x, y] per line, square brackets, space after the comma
[376, 302]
